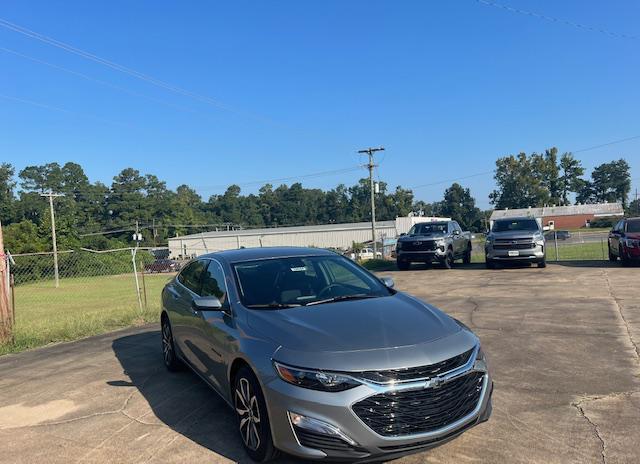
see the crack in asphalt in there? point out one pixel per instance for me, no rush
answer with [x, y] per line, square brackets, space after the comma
[621, 313]
[594, 426]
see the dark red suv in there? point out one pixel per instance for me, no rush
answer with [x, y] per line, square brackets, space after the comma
[624, 241]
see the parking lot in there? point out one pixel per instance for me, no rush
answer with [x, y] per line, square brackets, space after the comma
[563, 343]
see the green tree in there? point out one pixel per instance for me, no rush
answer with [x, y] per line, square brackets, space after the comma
[612, 182]
[459, 205]
[519, 183]
[570, 180]
[7, 198]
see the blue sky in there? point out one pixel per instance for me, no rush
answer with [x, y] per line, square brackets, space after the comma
[298, 87]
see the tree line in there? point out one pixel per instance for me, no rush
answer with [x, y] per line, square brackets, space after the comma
[100, 216]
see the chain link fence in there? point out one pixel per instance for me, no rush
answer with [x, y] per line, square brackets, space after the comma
[88, 293]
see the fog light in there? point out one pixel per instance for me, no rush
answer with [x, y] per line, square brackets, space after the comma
[317, 426]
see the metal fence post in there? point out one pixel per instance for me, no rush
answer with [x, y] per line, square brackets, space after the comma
[135, 273]
[602, 246]
[555, 239]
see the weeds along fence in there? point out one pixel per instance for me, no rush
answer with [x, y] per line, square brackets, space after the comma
[94, 292]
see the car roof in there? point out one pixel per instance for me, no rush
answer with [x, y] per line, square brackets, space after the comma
[248, 254]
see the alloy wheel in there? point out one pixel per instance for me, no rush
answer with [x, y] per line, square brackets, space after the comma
[167, 344]
[249, 413]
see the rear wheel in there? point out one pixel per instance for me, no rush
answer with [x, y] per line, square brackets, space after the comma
[403, 265]
[171, 360]
[253, 420]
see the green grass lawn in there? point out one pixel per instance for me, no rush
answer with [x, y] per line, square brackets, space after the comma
[80, 307]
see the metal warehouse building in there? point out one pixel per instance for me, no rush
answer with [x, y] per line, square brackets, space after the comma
[564, 217]
[322, 236]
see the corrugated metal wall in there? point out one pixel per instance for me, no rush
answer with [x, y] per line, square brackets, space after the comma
[194, 246]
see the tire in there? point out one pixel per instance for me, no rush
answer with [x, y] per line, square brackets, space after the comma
[169, 356]
[448, 260]
[253, 419]
[542, 264]
[612, 257]
[403, 265]
[489, 263]
[466, 259]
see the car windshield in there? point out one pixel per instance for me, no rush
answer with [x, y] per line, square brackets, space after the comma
[300, 281]
[429, 228]
[516, 224]
[633, 226]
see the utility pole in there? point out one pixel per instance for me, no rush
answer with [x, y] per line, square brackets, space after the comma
[370, 151]
[51, 196]
[6, 319]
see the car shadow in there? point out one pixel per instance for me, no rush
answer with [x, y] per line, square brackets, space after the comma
[180, 400]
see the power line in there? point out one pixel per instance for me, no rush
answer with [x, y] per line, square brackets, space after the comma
[93, 79]
[614, 142]
[281, 179]
[63, 110]
[130, 71]
[557, 20]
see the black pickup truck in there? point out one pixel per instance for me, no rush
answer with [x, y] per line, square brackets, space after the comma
[439, 241]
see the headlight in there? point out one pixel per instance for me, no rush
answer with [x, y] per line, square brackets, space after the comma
[631, 243]
[315, 380]
[440, 243]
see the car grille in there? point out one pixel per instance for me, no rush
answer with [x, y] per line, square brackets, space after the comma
[513, 244]
[421, 372]
[419, 245]
[412, 412]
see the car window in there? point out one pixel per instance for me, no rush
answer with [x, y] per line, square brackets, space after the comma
[191, 276]
[213, 283]
[619, 227]
[515, 224]
[456, 226]
[299, 281]
[426, 228]
[633, 226]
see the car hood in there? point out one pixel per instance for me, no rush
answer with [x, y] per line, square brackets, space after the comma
[362, 334]
[513, 234]
[411, 238]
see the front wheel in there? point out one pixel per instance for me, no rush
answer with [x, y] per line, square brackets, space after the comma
[542, 263]
[171, 360]
[612, 257]
[253, 420]
[448, 260]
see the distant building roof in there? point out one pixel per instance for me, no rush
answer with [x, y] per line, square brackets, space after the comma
[291, 230]
[598, 209]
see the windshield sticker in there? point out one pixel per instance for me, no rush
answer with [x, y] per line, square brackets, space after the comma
[299, 269]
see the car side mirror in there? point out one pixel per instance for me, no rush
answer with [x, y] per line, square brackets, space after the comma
[388, 282]
[206, 303]
[402, 234]
[456, 232]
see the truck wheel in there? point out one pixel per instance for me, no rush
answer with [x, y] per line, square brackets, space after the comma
[466, 259]
[403, 265]
[612, 257]
[542, 263]
[448, 260]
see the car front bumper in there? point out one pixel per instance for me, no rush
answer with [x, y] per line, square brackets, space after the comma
[364, 444]
[421, 256]
[535, 254]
